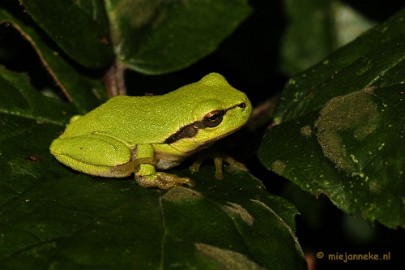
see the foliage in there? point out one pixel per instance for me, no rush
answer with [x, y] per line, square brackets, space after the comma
[338, 130]
[346, 115]
[55, 218]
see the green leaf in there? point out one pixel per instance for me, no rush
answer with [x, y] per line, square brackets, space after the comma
[316, 28]
[340, 127]
[84, 92]
[149, 36]
[154, 36]
[24, 102]
[53, 217]
[80, 28]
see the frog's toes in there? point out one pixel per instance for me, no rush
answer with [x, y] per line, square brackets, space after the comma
[235, 165]
[163, 180]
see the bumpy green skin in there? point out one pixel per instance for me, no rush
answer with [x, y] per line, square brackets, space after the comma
[129, 135]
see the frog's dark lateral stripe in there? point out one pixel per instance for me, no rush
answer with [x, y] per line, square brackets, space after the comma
[188, 131]
[191, 130]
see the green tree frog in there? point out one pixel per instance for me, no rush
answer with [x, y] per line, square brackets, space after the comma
[141, 134]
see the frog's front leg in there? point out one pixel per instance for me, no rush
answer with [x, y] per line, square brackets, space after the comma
[145, 171]
[219, 159]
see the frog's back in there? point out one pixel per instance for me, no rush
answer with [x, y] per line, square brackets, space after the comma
[153, 119]
[132, 119]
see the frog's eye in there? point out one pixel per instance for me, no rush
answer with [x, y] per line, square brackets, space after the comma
[214, 118]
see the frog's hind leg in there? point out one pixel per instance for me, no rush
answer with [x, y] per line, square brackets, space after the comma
[94, 154]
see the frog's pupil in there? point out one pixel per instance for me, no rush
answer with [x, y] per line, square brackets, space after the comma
[213, 118]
